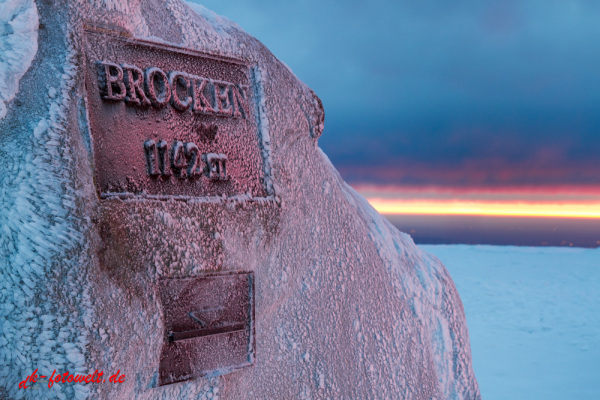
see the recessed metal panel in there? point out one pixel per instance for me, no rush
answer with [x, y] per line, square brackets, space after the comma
[209, 325]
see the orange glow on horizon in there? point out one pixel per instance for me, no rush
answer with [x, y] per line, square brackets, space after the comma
[486, 208]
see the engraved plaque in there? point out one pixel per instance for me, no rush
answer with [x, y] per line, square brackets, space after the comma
[169, 122]
[209, 325]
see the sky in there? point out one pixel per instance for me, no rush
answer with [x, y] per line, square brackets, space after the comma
[436, 96]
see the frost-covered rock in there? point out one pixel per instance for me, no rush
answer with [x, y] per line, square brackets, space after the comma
[346, 306]
[18, 45]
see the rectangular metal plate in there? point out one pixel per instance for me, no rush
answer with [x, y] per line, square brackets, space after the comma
[171, 122]
[209, 325]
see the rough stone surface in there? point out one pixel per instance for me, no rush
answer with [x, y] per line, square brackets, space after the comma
[347, 307]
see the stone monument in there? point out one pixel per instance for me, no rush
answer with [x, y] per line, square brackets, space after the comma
[170, 229]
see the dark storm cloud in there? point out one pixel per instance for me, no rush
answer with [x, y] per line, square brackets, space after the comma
[436, 84]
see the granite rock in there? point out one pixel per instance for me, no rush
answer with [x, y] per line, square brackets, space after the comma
[346, 306]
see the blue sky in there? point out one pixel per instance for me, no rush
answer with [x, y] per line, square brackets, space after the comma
[464, 93]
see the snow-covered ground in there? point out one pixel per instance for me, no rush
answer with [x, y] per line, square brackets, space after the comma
[534, 318]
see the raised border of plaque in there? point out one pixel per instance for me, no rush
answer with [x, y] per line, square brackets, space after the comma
[168, 122]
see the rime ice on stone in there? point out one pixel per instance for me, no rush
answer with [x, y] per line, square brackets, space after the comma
[155, 144]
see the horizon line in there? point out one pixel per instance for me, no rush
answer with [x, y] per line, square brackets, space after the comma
[587, 210]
